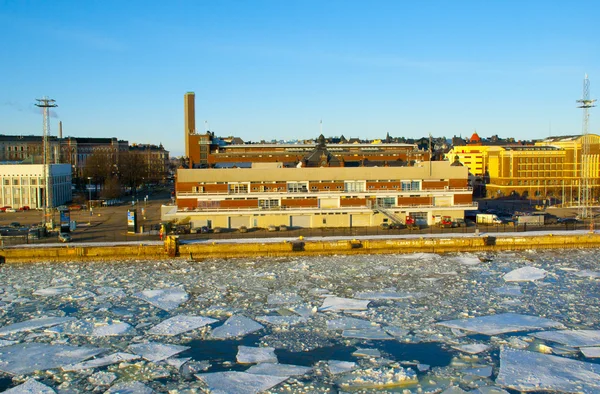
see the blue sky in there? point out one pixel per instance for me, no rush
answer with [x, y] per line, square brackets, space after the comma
[273, 69]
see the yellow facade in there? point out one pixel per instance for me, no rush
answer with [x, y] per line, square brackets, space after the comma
[550, 168]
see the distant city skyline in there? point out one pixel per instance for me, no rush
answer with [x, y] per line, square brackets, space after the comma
[267, 70]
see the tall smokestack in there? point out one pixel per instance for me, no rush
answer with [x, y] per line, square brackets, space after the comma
[189, 119]
[60, 129]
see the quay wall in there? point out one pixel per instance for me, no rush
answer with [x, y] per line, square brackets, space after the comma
[299, 247]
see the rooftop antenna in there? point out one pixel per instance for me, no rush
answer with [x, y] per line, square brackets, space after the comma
[45, 103]
[206, 126]
[586, 170]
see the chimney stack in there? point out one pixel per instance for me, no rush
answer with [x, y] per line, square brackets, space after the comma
[60, 129]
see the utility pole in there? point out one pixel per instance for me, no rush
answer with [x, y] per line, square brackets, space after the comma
[586, 169]
[46, 103]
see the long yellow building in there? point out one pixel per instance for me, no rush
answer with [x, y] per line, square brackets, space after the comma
[549, 168]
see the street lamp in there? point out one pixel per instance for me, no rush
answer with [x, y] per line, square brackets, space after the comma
[90, 198]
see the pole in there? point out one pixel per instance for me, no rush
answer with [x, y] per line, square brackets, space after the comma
[90, 198]
[45, 103]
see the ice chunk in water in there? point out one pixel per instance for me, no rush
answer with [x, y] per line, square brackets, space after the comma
[239, 382]
[378, 378]
[508, 290]
[180, 324]
[52, 291]
[177, 362]
[165, 299]
[382, 295]
[369, 334]
[525, 274]
[31, 386]
[102, 378]
[587, 274]
[367, 353]
[489, 390]
[252, 355]
[282, 320]
[337, 366]
[93, 329]
[33, 324]
[110, 292]
[278, 369]
[532, 371]
[573, 338]
[130, 388]
[472, 348]
[501, 323]
[348, 323]
[337, 304]
[591, 352]
[4, 342]
[154, 351]
[101, 362]
[454, 390]
[283, 298]
[467, 259]
[25, 358]
[236, 326]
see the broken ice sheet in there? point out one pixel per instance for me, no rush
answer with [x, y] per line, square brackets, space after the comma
[573, 338]
[348, 323]
[93, 329]
[508, 290]
[473, 348]
[25, 358]
[338, 366]
[591, 352]
[236, 326]
[382, 295]
[129, 388]
[252, 355]
[239, 382]
[587, 274]
[4, 342]
[154, 351]
[177, 362]
[501, 323]
[180, 324]
[34, 324]
[110, 292]
[282, 320]
[165, 299]
[102, 378]
[525, 274]
[31, 386]
[368, 334]
[467, 259]
[387, 376]
[52, 291]
[338, 304]
[101, 362]
[283, 298]
[531, 371]
[276, 369]
[366, 353]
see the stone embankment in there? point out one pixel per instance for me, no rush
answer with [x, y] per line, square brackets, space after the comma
[173, 248]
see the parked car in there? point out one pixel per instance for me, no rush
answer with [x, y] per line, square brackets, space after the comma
[272, 228]
[64, 237]
[15, 224]
[243, 229]
[205, 230]
[567, 221]
[24, 208]
[11, 210]
[283, 227]
[460, 222]
[217, 230]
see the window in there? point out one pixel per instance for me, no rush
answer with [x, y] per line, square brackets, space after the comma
[410, 185]
[354, 186]
[297, 187]
[238, 188]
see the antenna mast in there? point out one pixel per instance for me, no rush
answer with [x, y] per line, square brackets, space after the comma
[46, 103]
[586, 170]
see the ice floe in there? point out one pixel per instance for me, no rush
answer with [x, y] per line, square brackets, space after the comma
[25, 358]
[373, 334]
[349, 323]
[101, 362]
[34, 324]
[591, 352]
[501, 323]
[531, 371]
[282, 320]
[473, 348]
[93, 328]
[154, 351]
[165, 299]
[52, 291]
[239, 382]
[180, 324]
[338, 366]
[31, 386]
[130, 388]
[573, 338]
[525, 274]
[276, 369]
[382, 295]
[587, 274]
[338, 304]
[236, 326]
[378, 378]
[253, 355]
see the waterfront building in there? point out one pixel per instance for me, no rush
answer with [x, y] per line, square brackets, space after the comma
[549, 168]
[154, 161]
[23, 185]
[269, 194]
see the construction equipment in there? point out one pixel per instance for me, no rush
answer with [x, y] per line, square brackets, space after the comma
[446, 222]
[411, 223]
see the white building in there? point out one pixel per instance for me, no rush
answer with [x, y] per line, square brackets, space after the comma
[24, 185]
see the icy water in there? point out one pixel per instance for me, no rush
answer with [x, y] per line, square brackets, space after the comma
[422, 323]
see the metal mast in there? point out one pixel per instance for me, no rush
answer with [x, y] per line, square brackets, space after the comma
[586, 170]
[46, 104]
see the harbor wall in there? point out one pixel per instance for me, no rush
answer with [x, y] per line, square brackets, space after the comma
[173, 248]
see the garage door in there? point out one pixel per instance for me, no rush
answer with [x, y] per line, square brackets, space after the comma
[238, 221]
[360, 220]
[300, 221]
